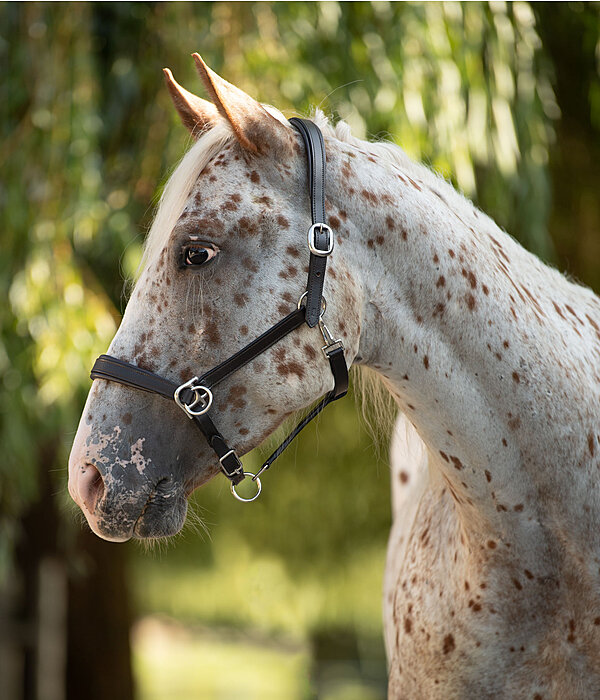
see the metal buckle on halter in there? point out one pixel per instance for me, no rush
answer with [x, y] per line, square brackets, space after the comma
[240, 468]
[202, 394]
[312, 243]
[331, 344]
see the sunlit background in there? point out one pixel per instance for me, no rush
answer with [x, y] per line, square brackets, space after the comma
[280, 599]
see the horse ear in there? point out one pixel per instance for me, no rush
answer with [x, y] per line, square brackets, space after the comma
[195, 113]
[256, 130]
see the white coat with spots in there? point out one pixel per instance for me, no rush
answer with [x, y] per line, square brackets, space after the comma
[493, 572]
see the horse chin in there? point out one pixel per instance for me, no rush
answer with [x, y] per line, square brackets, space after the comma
[161, 520]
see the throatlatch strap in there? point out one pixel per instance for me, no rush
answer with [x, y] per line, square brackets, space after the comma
[339, 370]
[315, 153]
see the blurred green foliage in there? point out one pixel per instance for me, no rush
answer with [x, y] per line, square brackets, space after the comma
[88, 139]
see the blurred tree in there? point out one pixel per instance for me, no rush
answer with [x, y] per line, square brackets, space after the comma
[502, 98]
[571, 41]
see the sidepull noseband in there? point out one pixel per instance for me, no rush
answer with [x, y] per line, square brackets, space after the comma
[195, 396]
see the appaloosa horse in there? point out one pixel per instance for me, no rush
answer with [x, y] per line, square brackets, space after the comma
[492, 580]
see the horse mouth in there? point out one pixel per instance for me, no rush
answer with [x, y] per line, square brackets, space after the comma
[158, 515]
[161, 517]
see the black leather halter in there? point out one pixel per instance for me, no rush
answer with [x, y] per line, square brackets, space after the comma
[195, 397]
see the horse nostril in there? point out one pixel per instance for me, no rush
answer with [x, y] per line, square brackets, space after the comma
[91, 486]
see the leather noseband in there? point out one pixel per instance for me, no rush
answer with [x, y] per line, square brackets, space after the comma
[195, 397]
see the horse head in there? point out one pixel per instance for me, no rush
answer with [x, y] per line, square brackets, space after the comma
[225, 259]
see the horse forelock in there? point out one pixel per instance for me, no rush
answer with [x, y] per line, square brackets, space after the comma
[178, 188]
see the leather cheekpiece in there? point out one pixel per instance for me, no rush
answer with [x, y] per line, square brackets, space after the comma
[315, 154]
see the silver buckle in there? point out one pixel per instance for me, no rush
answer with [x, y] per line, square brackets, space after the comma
[202, 394]
[311, 240]
[231, 452]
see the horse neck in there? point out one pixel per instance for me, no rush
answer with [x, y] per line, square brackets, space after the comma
[486, 349]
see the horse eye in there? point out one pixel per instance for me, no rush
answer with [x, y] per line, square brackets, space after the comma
[196, 255]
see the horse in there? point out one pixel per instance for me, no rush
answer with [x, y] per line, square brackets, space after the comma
[492, 578]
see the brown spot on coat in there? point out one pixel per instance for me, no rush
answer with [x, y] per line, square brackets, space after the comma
[414, 184]
[514, 422]
[470, 302]
[247, 227]
[286, 367]
[449, 644]
[456, 462]
[211, 331]
[470, 277]
[254, 177]
[310, 352]
[250, 265]
[235, 396]
[369, 196]
[591, 444]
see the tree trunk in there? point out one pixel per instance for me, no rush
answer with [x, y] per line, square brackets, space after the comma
[64, 615]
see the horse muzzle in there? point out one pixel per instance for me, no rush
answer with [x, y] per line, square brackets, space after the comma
[118, 509]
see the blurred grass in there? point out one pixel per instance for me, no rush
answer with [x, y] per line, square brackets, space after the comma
[172, 661]
[246, 589]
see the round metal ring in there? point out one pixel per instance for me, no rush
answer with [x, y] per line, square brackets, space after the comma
[208, 397]
[256, 495]
[323, 303]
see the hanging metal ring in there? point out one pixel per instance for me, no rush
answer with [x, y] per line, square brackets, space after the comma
[256, 495]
